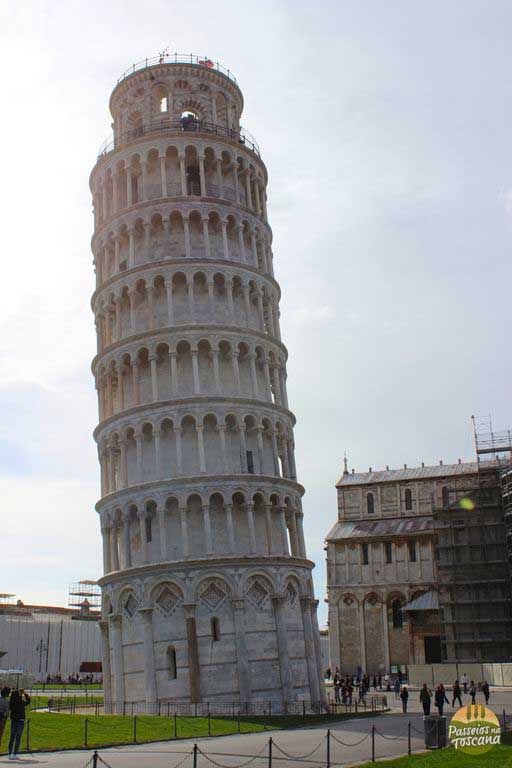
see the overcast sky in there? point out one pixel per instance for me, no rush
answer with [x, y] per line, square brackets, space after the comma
[386, 131]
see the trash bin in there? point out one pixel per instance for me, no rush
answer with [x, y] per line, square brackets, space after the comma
[435, 731]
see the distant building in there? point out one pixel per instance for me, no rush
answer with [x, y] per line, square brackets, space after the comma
[49, 640]
[417, 567]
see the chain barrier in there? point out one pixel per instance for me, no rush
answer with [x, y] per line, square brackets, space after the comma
[182, 761]
[391, 738]
[100, 760]
[299, 757]
[221, 765]
[354, 744]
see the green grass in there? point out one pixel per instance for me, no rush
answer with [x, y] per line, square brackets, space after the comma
[60, 731]
[451, 758]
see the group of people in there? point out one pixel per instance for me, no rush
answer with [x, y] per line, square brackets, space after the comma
[440, 697]
[13, 704]
[345, 685]
[72, 680]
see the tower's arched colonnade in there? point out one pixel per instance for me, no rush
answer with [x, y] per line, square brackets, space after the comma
[207, 590]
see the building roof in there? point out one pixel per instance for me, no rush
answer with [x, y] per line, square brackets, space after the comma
[428, 601]
[412, 473]
[400, 526]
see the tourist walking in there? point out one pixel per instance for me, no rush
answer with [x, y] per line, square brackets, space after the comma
[456, 694]
[380, 682]
[337, 687]
[425, 698]
[404, 695]
[486, 691]
[18, 703]
[472, 691]
[440, 698]
[4, 710]
[464, 681]
[396, 688]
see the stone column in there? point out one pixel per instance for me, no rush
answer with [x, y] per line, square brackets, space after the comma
[254, 249]
[143, 539]
[221, 429]
[170, 303]
[200, 446]
[385, 631]
[154, 378]
[163, 532]
[127, 550]
[123, 467]
[131, 248]
[157, 433]
[194, 672]
[294, 534]
[184, 531]
[241, 242]
[149, 655]
[244, 671]
[334, 635]
[250, 522]
[236, 371]
[318, 651]
[299, 517]
[186, 232]
[254, 378]
[183, 175]
[229, 293]
[268, 385]
[275, 453]
[268, 526]
[179, 454]
[206, 238]
[138, 445]
[105, 532]
[279, 603]
[216, 371]
[284, 531]
[114, 543]
[247, 304]
[220, 180]
[362, 638]
[133, 319]
[309, 643]
[248, 194]
[135, 383]
[230, 527]
[195, 372]
[105, 664]
[163, 175]
[207, 529]
[202, 179]
[225, 248]
[174, 374]
[259, 440]
[117, 656]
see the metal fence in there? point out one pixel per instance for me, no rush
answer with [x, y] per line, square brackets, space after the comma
[177, 58]
[177, 125]
[263, 708]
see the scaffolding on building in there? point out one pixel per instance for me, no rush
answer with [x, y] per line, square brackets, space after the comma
[472, 557]
[85, 596]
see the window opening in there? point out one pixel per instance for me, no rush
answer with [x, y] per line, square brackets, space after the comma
[398, 617]
[388, 552]
[171, 661]
[408, 498]
[149, 532]
[412, 551]
[364, 552]
[250, 462]
[370, 503]
[215, 629]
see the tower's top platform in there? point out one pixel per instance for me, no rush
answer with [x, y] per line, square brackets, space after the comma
[178, 58]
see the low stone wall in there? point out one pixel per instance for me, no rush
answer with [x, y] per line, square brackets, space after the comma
[495, 674]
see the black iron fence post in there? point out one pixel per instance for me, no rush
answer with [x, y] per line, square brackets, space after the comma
[270, 752]
[409, 737]
[238, 722]
[373, 743]
[209, 723]
[328, 756]
[135, 728]
[194, 761]
[175, 725]
[95, 759]
[85, 732]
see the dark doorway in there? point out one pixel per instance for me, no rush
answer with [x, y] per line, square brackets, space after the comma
[432, 649]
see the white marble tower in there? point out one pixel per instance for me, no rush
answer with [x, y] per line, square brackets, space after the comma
[207, 590]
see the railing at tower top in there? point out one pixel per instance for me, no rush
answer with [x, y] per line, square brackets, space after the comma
[178, 58]
[177, 125]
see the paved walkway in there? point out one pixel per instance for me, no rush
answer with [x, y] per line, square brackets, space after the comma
[289, 749]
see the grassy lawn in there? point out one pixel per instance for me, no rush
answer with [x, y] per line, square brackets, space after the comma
[450, 758]
[49, 731]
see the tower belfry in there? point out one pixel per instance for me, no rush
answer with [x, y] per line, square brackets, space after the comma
[207, 590]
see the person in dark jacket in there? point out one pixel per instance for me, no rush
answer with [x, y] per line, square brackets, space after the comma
[440, 698]
[456, 694]
[425, 698]
[472, 691]
[486, 691]
[404, 695]
[18, 703]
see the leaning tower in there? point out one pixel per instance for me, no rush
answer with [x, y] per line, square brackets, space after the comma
[207, 590]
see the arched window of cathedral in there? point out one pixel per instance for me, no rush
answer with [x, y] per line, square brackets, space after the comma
[215, 629]
[171, 662]
[370, 504]
[408, 498]
[398, 617]
[445, 496]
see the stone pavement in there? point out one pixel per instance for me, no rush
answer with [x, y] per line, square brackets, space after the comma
[289, 746]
